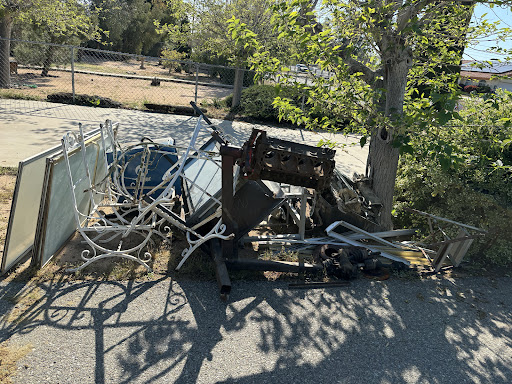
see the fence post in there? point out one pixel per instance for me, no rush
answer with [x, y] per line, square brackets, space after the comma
[304, 96]
[237, 87]
[73, 72]
[197, 81]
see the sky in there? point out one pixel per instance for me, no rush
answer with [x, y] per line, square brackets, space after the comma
[477, 52]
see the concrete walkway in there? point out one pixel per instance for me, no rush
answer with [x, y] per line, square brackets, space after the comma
[29, 127]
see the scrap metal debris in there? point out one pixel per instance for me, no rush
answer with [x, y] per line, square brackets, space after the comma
[216, 193]
[266, 158]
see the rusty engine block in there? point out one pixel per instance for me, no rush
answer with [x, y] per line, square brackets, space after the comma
[284, 161]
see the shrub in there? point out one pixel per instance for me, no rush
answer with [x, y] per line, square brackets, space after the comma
[257, 101]
[475, 189]
[171, 59]
[227, 76]
[423, 185]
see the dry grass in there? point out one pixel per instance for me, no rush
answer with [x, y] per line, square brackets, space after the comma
[9, 357]
[165, 258]
[27, 299]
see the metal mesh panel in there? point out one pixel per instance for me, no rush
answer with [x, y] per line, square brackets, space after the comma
[98, 78]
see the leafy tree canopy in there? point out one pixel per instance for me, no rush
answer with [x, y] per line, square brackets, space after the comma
[392, 73]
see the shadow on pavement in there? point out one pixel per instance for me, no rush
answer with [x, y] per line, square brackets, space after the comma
[168, 331]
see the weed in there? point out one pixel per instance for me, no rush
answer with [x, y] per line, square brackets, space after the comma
[8, 171]
[407, 274]
[17, 95]
[5, 195]
[282, 255]
[199, 265]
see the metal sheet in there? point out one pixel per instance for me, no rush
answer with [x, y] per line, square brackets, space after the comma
[57, 222]
[252, 203]
[21, 228]
[492, 67]
[205, 174]
[202, 180]
[25, 207]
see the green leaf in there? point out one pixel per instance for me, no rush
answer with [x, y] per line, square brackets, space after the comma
[445, 163]
[444, 117]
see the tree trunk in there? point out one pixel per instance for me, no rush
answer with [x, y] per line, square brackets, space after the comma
[48, 60]
[5, 50]
[382, 161]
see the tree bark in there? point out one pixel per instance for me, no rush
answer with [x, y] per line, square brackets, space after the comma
[5, 50]
[382, 163]
[48, 60]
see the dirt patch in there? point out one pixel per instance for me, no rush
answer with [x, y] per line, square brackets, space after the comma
[7, 182]
[27, 299]
[131, 93]
[9, 357]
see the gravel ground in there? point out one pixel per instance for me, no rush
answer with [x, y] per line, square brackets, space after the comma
[397, 331]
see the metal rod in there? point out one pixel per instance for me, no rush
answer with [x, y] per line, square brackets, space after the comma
[73, 72]
[445, 220]
[319, 284]
[229, 249]
[371, 248]
[359, 230]
[197, 82]
[271, 265]
[302, 220]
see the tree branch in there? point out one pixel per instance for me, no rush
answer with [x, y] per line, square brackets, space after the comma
[355, 66]
[406, 14]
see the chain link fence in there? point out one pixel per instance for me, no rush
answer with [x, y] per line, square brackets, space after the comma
[91, 77]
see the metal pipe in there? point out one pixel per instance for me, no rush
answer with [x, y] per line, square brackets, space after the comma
[221, 271]
[73, 72]
[229, 249]
[445, 220]
[197, 82]
[271, 265]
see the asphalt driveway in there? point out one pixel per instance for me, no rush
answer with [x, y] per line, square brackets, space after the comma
[167, 331]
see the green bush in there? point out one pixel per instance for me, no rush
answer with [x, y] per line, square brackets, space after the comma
[427, 187]
[256, 101]
[227, 76]
[475, 189]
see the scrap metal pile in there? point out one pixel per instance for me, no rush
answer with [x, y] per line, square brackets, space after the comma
[121, 198]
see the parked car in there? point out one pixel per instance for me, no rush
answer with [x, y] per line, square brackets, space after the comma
[301, 68]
